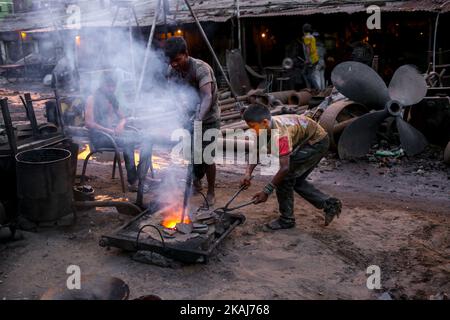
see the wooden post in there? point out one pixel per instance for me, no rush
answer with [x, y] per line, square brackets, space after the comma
[8, 125]
[31, 115]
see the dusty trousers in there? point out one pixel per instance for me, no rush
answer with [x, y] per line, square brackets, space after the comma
[303, 160]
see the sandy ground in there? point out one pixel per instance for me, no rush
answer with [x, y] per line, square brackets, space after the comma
[396, 218]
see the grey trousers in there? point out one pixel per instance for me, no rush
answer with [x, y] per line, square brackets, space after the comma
[302, 163]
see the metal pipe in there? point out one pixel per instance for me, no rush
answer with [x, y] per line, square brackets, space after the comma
[435, 38]
[210, 48]
[238, 16]
[147, 50]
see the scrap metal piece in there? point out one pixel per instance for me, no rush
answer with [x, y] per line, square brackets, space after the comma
[407, 86]
[200, 228]
[412, 140]
[3, 217]
[184, 228]
[236, 70]
[357, 139]
[360, 83]
[447, 154]
[339, 113]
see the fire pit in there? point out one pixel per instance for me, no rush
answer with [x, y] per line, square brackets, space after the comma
[192, 240]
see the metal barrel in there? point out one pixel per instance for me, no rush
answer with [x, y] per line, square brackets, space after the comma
[44, 184]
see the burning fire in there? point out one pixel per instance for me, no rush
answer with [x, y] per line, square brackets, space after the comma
[158, 162]
[173, 217]
[83, 154]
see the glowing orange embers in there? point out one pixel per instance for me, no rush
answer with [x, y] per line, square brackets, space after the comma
[173, 217]
[83, 154]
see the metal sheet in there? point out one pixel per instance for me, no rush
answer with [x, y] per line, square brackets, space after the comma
[447, 154]
[237, 73]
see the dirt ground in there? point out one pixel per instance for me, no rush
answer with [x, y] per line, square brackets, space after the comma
[396, 217]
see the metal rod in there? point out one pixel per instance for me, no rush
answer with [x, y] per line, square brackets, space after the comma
[236, 194]
[187, 190]
[238, 16]
[435, 40]
[165, 6]
[59, 111]
[202, 32]
[133, 63]
[135, 17]
[242, 205]
[149, 45]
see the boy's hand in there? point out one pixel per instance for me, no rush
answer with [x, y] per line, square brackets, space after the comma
[246, 182]
[260, 197]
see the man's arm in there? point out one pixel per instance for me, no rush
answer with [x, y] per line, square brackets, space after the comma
[205, 105]
[123, 121]
[89, 117]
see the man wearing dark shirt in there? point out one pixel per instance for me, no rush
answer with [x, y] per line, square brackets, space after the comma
[200, 76]
[103, 115]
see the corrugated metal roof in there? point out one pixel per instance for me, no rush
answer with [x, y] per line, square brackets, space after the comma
[209, 10]
[350, 8]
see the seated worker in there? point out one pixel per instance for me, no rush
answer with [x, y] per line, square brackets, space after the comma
[103, 114]
[197, 74]
[302, 143]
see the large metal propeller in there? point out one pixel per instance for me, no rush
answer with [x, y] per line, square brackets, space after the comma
[362, 84]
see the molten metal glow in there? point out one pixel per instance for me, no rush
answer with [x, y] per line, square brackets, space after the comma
[172, 218]
[158, 162]
[83, 154]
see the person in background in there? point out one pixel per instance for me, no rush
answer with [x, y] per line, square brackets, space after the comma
[312, 74]
[103, 114]
[321, 64]
[200, 76]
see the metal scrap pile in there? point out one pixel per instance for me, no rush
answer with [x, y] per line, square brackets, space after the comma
[283, 102]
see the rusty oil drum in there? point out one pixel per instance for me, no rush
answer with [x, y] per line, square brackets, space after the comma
[44, 184]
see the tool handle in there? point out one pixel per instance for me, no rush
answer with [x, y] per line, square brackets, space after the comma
[241, 206]
[236, 194]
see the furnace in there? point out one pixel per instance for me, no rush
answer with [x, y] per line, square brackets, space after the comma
[163, 232]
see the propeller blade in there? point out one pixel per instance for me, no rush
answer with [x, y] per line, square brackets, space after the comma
[412, 140]
[407, 86]
[360, 83]
[358, 137]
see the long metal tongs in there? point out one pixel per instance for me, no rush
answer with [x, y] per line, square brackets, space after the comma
[226, 207]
